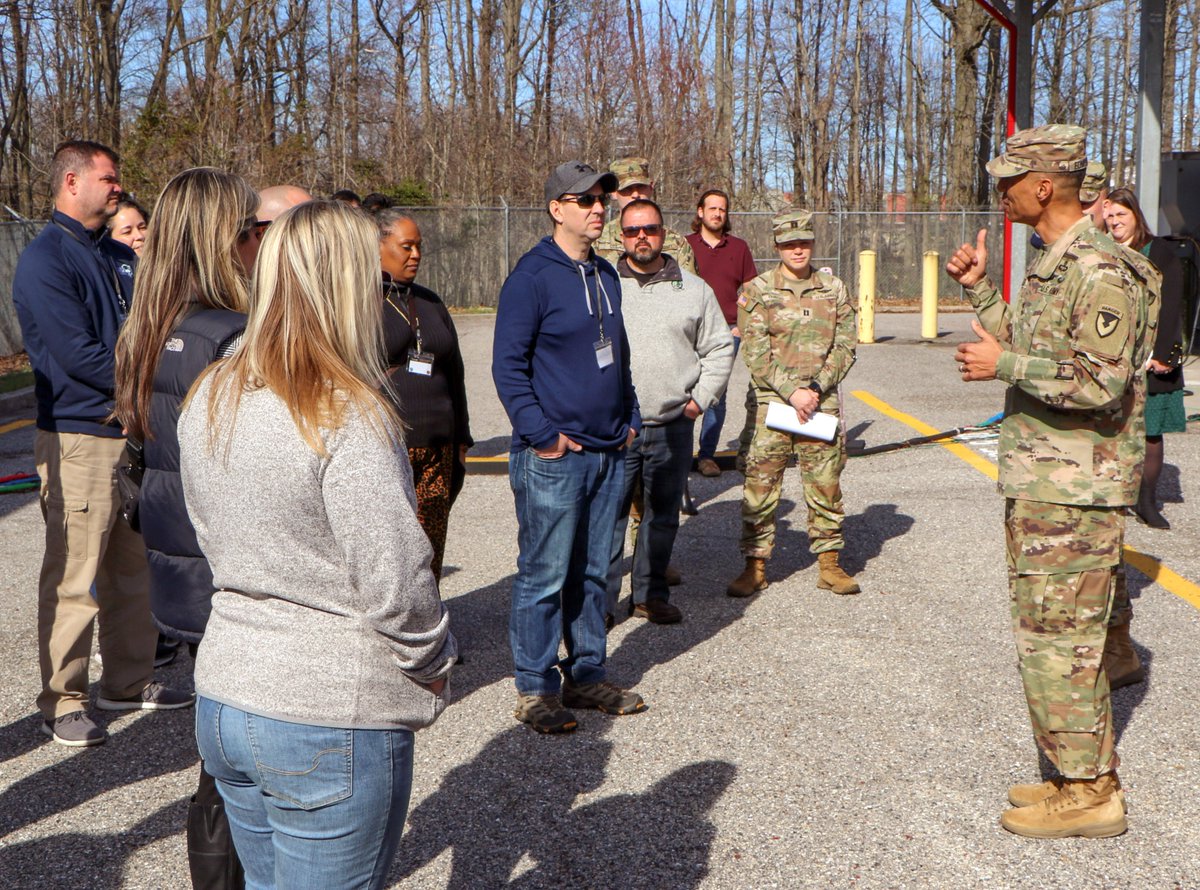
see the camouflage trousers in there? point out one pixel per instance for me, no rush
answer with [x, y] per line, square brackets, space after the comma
[821, 465]
[1062, 563]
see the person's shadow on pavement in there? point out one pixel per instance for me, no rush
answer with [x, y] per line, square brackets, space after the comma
[509, 819]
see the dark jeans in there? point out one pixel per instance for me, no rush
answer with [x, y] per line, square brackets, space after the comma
[713, 420]
[566, 509]
[661, 457]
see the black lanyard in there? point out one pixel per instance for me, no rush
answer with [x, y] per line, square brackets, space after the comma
[415, 321]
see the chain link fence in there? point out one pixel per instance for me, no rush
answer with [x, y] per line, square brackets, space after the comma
[468, 251]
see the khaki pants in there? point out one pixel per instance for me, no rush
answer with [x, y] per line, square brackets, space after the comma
[88, 543]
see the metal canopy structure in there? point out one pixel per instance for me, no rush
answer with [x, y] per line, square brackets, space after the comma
[1018, 18]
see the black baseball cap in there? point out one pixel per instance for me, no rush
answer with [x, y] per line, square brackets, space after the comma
[575, 178]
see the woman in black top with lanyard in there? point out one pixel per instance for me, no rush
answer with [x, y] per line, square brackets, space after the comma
[426, 372]
[1164, 378]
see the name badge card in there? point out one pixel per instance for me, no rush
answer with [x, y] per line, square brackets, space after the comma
[420, 363]
[604, 352]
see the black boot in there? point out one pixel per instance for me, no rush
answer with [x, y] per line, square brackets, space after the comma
[1148, 513]
[212, 860]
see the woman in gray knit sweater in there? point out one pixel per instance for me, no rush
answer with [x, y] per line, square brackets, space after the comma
[328, 644]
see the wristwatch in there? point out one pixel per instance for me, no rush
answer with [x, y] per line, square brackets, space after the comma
[816, 387]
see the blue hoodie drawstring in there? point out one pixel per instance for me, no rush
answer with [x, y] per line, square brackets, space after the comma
[587, 295]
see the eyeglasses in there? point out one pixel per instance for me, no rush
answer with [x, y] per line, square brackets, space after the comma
[652, 231]
[587, 202]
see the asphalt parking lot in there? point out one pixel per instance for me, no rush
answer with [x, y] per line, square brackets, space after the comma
[797, 739]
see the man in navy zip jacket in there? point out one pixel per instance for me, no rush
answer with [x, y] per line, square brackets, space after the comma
[561, 367]
[72, 289]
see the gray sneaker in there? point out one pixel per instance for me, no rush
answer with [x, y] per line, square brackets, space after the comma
[155, 697]
[603, 696]
[75, 730]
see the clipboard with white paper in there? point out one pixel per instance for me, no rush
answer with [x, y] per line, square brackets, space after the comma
[782, 418]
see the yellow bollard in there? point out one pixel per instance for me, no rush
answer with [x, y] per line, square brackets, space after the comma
[866, 296]
[929, 296]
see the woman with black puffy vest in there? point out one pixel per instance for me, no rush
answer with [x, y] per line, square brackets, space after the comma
[189, 302]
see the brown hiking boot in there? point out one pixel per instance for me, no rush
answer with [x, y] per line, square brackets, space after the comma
[708, 467]
[752, 579]
[1080, 808]
[544, 713]
[1121, 661]
[833, 576]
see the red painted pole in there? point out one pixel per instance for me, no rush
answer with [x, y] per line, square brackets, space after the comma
[1011, 28]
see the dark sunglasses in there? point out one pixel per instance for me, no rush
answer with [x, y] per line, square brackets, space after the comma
[653, 230]
[587, 202]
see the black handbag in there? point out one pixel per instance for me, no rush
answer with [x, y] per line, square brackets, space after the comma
[129, 481]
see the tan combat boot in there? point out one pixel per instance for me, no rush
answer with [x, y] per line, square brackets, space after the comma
[1080, 808]
[1121, 661]
[833, 577]
[752, 579]
[1028, 795]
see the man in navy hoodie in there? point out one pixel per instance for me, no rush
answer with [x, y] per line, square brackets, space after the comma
[561, 367]
[72, 289]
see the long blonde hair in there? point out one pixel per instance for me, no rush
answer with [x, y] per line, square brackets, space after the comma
[189, 258]
[314, 336]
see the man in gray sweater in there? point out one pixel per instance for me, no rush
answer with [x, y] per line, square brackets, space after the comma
[681, 354]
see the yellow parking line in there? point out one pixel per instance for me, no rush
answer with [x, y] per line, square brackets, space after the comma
[1149, 566]
[14, 425]
[982, 464]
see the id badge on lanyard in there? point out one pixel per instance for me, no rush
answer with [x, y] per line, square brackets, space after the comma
[420, 363]
[604, 352]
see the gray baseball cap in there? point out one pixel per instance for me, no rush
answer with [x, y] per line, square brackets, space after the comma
[575, 178]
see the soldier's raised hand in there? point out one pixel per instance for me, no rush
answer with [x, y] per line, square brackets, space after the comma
[969, 263]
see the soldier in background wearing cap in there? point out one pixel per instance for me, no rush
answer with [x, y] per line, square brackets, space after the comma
[633, 182]
[560, 362]
[1071, 348]
[1093, 192]
[1121, 661]
[798, 336]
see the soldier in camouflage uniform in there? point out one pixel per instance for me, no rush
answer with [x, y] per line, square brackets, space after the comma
[1093, 192]
[1121, 662]
[633, 181]
[798, 336]
[1072, 347]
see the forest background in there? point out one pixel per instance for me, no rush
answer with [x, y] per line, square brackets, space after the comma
[850, 104]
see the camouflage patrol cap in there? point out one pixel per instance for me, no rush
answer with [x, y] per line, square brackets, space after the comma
[1053, 148]
[793, 225]
[1094, 182]
[631, 171]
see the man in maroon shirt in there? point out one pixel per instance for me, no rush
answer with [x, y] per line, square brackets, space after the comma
[725, 263]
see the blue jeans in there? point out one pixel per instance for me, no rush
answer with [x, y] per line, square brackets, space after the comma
[712, 421]
[661, 457]
[566, 510]
[309, 807]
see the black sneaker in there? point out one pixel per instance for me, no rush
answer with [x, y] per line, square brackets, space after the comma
[155, 697]
[603, 696]
[544, 713]
[75, 730]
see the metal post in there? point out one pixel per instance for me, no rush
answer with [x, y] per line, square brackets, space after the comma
[929, 296]
[1148, 168]
[507, 266]
[866, 296]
